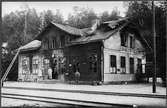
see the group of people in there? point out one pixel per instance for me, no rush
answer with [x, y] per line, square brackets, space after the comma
[76, 74]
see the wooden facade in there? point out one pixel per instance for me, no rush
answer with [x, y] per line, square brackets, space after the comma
[106, 54]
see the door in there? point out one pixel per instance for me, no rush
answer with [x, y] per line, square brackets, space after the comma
[131, 65]
[59, 67]
[46, 67]
[56, 68]
[139, 66]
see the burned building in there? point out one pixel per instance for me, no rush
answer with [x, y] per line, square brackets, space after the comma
[107, 52]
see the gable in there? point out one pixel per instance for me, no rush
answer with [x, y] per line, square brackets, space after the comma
[132, 39]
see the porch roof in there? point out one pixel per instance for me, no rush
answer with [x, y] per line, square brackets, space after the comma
[33, 45]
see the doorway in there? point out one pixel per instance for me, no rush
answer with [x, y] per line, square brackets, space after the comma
[131, 65]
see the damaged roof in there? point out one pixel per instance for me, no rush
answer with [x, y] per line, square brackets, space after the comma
[69, 29]
[98, 36]
[86, 35]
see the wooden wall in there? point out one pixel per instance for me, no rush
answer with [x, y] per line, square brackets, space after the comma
[82, 54]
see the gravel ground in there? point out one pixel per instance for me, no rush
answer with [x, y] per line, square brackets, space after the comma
[7, 102]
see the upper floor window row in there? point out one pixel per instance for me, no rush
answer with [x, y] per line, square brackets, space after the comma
[127, 40]
[54, 43]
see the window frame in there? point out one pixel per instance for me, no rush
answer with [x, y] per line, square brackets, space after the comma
[35, 65]
[113, 64]
[124, 39]
[25, 65]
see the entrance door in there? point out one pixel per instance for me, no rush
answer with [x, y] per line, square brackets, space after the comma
[59, 67]
[139, 65]
[131, 65]
[56, 68]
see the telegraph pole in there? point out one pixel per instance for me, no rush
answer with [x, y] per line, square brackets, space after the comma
[154, 51]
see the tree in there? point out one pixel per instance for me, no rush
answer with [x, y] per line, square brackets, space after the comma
[48, 16]
[140, 13]
[13, 26]
[114, 15]
[81, 17]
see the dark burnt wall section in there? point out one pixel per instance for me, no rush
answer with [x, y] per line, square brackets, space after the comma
[86, 58]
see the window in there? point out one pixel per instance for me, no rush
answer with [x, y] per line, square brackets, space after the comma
[132, 41]
[112, 63]
[35, 65]
[123, 64]
[123, 39]
[46, 62]
[25, 65]
[62, 38]
[45, 44]
[53, 43]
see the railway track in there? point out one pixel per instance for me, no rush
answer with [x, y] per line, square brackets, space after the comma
[90, 92]
[67, 102]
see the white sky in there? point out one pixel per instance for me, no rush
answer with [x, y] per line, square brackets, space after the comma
[64, 7]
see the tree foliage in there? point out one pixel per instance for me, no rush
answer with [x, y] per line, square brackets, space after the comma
[106, 16]
[141, 13]
[81, 17]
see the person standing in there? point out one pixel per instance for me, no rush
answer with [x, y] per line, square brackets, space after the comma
[50, 73]
[40, 74]
[77, 76]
